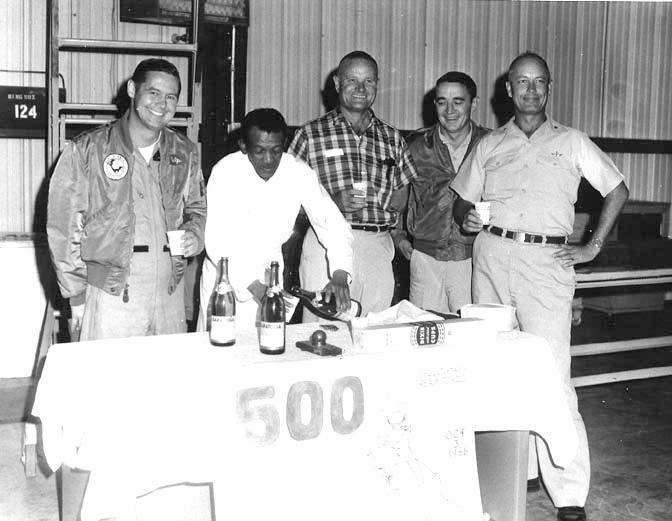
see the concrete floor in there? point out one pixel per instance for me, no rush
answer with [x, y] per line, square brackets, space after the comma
[629, 430]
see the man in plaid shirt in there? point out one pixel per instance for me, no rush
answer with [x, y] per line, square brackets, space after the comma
[363, 163]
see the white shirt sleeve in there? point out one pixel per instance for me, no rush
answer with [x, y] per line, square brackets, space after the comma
[597, 167]
[224, 232]
[330, 226]
[470, 179]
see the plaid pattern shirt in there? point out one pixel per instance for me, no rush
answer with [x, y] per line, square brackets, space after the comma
[379, 157]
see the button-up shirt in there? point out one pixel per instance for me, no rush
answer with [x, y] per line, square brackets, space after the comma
[458, 152]
[250, 219]
[532, 183]
[379, 157]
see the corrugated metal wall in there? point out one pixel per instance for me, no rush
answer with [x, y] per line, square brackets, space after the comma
[638, 98]
[96, 77]
[22, 62]
[295, 44]
[603, 55]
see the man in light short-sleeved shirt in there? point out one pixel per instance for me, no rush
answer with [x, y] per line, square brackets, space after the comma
[529, 171]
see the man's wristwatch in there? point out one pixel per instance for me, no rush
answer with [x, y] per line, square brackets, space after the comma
[596, 244]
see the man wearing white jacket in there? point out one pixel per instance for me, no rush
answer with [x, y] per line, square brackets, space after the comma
[255, 196]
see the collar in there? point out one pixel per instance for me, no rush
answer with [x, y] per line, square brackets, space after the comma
[336, 118]
[125, 134]
[127, 142]
[550, 125]
[432, 134]
[465, 143]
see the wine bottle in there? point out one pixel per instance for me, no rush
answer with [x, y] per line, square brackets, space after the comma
[315, 303]
[272, 319]
[222, 308]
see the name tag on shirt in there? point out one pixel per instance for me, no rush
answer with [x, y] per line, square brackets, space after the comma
[333, 152]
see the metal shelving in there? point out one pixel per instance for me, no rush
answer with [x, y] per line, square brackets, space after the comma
[62, 114]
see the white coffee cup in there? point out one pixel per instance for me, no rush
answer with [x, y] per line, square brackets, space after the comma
[175, 242]
[359, 185]
[500, 316]
[483, 211]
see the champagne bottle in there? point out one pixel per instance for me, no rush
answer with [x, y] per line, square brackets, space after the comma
[315, 303]
[222, 308]
[272, 323]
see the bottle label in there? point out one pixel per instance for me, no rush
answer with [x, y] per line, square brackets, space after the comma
[272, 335]
[222, 329]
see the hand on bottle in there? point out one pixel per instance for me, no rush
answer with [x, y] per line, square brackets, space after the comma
[76, 315]
[189, 243]
[350, 200]
[338, 288]
[472, 222]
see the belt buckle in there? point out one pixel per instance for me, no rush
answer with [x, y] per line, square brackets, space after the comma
[519, 236]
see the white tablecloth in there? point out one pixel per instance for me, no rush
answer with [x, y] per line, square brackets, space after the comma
[141, 413]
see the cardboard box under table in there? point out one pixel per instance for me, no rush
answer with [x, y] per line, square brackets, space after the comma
[370, 434]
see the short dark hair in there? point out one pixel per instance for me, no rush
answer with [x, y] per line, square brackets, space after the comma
[357, 55]
[265, 119]
[155, 65]
[524, 56]
[459, 77]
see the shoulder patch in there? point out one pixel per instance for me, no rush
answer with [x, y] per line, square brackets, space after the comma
[115, 166]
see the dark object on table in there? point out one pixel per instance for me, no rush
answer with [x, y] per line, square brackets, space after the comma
[314, 302]
[317, 345]
[571, 514]
[447, 316]
[329, 327]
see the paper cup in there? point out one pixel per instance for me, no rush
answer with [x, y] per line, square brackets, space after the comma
[175, 242]
[483, 211]
[500, 316]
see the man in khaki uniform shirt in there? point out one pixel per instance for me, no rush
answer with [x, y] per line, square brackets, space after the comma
[529, 170]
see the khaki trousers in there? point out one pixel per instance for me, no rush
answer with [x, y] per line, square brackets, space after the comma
[150, 310]
[436, 285]
[528, 277]
[372, 280]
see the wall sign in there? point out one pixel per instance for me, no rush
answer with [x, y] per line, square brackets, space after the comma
[23, 111]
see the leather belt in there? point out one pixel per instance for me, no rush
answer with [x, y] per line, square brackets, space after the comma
[143, 248]
[527, 237]
[371, 227]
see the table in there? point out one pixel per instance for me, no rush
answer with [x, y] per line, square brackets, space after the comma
[174, 409]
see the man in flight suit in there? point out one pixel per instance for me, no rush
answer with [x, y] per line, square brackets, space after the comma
[114, 194]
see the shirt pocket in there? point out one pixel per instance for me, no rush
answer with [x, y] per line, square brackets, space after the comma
[333, 171]
[500, 173]
[556, 175]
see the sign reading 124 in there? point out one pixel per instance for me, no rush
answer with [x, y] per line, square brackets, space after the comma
[23, 111]
[249, 410]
